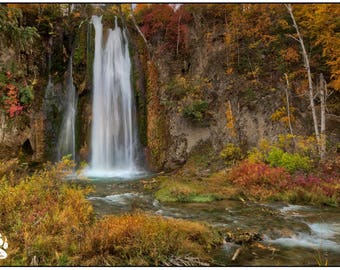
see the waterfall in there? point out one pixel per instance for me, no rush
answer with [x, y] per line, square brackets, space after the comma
[114, 141]
[66, 143]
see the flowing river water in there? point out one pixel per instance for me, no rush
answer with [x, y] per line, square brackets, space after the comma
[295, 235]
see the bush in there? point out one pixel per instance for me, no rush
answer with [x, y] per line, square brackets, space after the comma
[291, 162]
[305, 146]
[178, 88]
[231, 153]
[197, 112]
[258, 179]
[26, 95]
[43, 218]
[258, 155]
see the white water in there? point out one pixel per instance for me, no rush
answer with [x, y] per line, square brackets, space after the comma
[114, 140]
[66, 142]
[117, 198]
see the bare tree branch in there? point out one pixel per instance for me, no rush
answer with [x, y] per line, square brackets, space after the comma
[309, 74]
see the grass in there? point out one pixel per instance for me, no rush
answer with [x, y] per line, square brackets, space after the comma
[179, 191]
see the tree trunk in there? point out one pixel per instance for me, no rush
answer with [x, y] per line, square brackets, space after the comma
[323, 86]
[178, 33]
[288, 108]
[309, 75]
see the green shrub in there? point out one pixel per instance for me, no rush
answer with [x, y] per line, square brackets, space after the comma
[26, 95]
[197, 112]
[291, 162]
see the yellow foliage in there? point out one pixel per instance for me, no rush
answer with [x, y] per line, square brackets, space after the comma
[290, 55]
[230, 119]
[281, 115]
[42, 215]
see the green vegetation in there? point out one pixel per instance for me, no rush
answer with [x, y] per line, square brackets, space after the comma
[26, 95]
[291, 162]
[183, 191]
[11, 30]
[196, 112]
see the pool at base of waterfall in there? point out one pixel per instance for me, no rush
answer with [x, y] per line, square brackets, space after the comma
[114, 174]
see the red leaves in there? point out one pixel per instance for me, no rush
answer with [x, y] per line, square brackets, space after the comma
[165, 26]
[260, 180]
[12, 102]
[249, 174]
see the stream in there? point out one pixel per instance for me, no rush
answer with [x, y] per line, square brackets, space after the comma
[296, 235]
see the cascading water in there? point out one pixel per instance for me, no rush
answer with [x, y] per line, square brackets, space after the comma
[114, 142]
[66, 143]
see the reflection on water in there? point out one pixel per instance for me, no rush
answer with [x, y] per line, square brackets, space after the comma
[300, 233]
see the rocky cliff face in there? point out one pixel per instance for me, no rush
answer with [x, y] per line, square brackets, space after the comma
[201, 102]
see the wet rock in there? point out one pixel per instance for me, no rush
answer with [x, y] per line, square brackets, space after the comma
[242, 237]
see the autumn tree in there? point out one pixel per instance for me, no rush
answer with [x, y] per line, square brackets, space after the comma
[321, 29]
[12, 32]
[164, 27]
[321, 24]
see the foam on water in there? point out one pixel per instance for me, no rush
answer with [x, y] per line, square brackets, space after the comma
[116, 198]
[113, 174]
[322, 236]
[292, 207]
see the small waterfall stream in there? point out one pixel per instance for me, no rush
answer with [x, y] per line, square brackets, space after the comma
[114, 141]
[66, 142]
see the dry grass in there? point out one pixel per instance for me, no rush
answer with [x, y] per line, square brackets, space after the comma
[143, 239]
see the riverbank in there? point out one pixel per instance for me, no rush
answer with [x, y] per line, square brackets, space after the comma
[267, 173]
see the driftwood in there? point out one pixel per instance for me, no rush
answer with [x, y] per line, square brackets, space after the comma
[272, 249]
[237, 252]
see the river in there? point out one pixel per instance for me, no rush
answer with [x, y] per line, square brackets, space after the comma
[294, 235]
